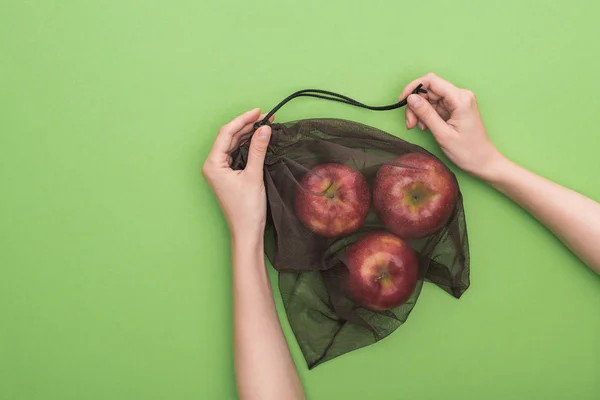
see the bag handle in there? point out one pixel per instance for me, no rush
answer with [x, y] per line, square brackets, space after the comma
[327, 95]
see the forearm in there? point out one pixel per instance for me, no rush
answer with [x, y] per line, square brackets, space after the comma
[572, 217]
[263, 364]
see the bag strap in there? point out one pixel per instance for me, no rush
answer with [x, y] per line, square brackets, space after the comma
[327, 95]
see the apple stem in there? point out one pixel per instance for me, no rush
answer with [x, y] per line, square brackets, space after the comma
[382, 275]
[330, 194]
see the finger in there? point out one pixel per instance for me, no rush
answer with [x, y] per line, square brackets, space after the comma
[257, 152]
[250, 127]
[244, 134]
[437, 88]
[238, 123]
[408, 89]
[427, 115]
[443, 111]
[227, 132]
[411, 118]
[439, 107]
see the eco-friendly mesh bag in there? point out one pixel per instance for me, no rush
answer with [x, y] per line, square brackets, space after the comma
[313, 272]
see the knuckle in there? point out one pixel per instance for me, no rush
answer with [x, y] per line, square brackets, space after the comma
[206, 169]
[469, 95]
[431, 75]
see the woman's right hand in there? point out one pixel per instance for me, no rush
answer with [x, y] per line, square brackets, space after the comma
[452, 116]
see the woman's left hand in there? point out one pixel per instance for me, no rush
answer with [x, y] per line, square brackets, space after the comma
[241, 194]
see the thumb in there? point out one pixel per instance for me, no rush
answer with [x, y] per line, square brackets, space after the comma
[426, 113]
[258, 150]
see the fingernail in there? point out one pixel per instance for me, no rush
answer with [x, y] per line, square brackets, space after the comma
[263, 133]
[407, 124]
[421, 126]
[414, 99]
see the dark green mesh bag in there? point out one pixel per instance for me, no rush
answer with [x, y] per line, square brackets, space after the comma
[310, 232]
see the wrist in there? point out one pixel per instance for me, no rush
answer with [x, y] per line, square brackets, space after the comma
[247, 243]
[502, 173]
[493, 170]
[248, 230]
[248, 256]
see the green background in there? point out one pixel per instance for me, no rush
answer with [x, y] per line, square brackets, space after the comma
[114, 259]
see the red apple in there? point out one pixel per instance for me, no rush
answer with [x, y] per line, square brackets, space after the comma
[383, 271]
[333, 200]
[414, 202]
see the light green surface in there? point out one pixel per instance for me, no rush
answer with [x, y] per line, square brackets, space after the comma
[114, 264]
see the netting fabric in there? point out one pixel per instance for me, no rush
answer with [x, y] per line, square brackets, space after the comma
[357, 221]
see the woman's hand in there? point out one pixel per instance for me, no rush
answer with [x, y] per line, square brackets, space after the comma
[264, 367]
[241, 194]
[452, 116]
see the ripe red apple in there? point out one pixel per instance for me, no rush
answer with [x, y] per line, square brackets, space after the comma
[332, 200]
[383, 271]
[414, 202]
